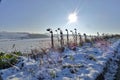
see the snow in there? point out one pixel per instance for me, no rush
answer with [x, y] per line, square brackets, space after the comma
[84, 64]
[25, 45]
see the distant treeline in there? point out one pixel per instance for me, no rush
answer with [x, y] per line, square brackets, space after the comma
[37, 36]
[21, 35]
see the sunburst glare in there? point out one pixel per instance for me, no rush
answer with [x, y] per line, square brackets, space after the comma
[72, 17]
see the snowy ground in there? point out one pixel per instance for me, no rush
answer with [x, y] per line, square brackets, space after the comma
[86, 63]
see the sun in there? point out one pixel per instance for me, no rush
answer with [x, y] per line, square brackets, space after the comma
[72, 17]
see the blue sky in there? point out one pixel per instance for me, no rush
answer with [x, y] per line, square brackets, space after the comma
[35, 16]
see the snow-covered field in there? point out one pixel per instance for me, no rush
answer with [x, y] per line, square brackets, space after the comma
[23, 45]
[11, 41]
[86, 63]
